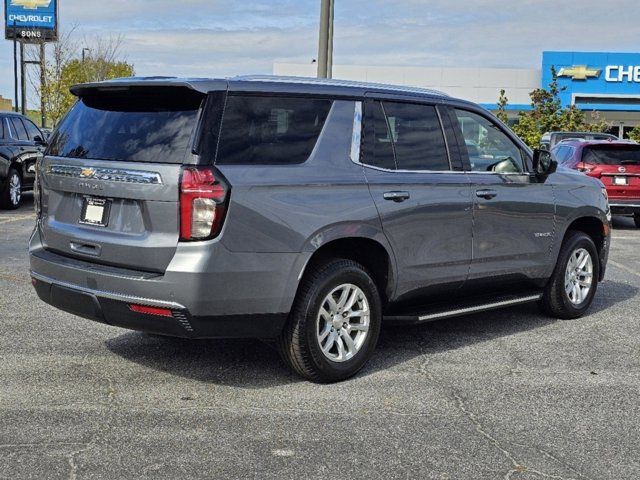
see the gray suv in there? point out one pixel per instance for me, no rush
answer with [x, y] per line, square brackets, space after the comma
[306, 211]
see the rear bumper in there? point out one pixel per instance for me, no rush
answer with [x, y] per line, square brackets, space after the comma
[115, 310]
[624, 207]
[226, 295]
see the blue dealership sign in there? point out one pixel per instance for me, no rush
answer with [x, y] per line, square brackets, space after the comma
[31, 20]
[595, 80]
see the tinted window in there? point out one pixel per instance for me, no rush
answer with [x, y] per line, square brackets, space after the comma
[417, 136]
[143, 127]
[611, 154]
[3, 131]
[378, 148]
[32, 130]
[489, 148]
[270, 130]
[19, 129]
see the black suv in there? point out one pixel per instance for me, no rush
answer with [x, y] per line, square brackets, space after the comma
[21, 144]
[305, 211]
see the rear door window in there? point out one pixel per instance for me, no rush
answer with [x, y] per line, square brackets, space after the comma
[270, 130]
[144, 126]
[417, 136]
[18, 129]
[611, 154]
[378, 146]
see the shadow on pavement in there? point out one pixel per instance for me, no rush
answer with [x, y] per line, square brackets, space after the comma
[255, 364]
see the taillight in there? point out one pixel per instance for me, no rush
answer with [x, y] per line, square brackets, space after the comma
[203, 197]
[585, 167]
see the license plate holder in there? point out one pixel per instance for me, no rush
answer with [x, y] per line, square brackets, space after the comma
[95, 211]
[619, 180]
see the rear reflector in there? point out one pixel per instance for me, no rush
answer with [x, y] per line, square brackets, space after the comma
[202, 204]
[160, 312]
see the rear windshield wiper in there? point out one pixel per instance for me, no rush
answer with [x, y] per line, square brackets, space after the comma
[630, 162]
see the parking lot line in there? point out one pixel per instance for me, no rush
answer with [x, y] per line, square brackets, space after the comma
[624, 267]
[16, 218]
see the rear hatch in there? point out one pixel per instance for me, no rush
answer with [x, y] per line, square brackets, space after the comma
[618, 167]
[109, 182]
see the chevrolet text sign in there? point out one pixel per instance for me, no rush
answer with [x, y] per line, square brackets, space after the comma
[604, 81]
[31, 20]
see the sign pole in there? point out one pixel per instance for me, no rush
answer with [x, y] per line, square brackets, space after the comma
[43, 80]
[23, 83]
[15, 64]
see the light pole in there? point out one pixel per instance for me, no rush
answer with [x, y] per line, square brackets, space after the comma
[325, 44]
[83, 53]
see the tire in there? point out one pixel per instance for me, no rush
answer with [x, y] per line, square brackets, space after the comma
[12, 193]
[636, 219]
[557, 301]
[308, 331]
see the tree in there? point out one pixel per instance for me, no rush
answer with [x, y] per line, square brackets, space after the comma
[503, 101]
[64, 68]
[634, 134]
[547, 114]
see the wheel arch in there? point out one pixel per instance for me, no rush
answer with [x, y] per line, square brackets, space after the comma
[597, 230]
[377, 258]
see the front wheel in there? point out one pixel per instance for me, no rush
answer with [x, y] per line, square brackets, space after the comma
[573, 284]
[334, 324]
[636, 219]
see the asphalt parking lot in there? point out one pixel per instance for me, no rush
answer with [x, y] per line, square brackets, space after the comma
[505, 394]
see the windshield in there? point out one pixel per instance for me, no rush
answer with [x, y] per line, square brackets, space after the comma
[143, 127]
[611, 154]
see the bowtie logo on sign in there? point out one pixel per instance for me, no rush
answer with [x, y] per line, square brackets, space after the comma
[579, 72]
[31, 4]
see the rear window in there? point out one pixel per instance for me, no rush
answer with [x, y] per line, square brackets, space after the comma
[135, 127]
[611, 154]
[270, 130]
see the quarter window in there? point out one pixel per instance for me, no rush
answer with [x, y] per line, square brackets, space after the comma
[417, 136]
[489, 148]
[270, 130]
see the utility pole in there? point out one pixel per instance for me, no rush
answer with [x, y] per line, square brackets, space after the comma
[325, 44]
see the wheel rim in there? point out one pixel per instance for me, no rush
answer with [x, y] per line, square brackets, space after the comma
[15, 189]
[343, 322]
[578, 276]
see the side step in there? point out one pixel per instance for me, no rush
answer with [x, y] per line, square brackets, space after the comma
[439, 312]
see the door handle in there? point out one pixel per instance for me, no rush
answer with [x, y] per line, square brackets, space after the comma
[396, 196]
[486, 193]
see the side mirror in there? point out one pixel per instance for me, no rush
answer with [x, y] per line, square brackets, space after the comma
[39, 140]
[543, 162]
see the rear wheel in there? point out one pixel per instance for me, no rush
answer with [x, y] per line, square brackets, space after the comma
[334, 324]
[12, 193]
[573, 284]
[636, 219]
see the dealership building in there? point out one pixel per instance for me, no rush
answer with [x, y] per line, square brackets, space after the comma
[604, 82]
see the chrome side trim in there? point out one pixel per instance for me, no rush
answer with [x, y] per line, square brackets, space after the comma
[105, 174]
[480, 308]
[111, 295]
[633, 205]
[356, 136]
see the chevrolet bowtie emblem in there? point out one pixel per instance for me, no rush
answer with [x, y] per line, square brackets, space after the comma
[31, 4]
[579, 72]
[87, 173]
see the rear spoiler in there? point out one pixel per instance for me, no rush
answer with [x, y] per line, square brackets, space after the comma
[134, 83]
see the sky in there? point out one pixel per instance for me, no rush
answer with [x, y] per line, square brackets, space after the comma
[223, 38]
